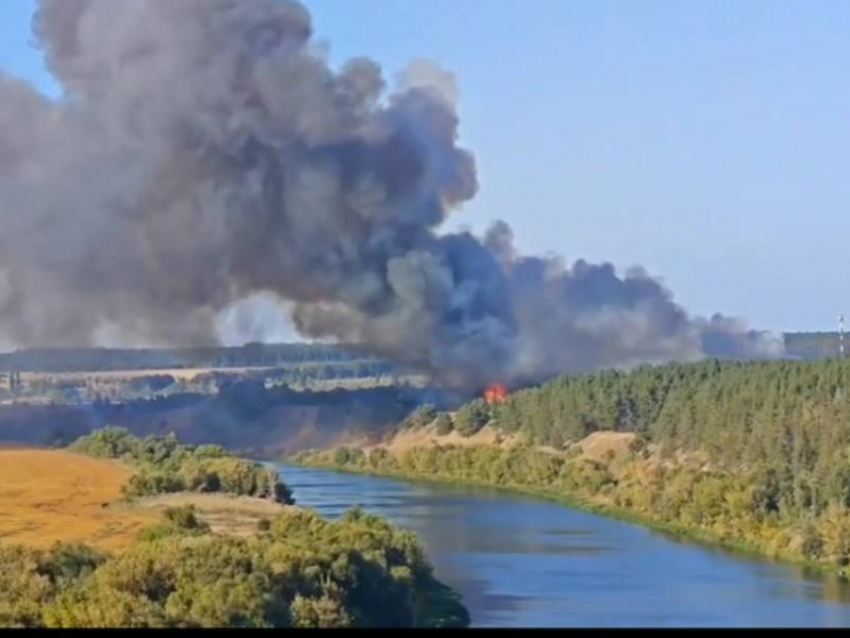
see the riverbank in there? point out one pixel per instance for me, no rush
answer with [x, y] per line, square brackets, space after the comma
[602, 490]
[527, 562]
[230, 550]
[568, 501]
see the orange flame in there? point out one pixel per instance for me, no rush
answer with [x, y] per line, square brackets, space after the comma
[495, 393]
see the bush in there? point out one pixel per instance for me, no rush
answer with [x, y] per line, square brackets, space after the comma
[471, 418]
[184, 518]
[444, 424]
[421, 417]
[305, 572]
[109, 442]
[341, 456]
[165, 466]
[179, 521]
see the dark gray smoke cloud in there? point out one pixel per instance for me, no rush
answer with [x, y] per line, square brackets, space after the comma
[205, 152]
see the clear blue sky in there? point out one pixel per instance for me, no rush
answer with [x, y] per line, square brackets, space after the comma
[707, 141]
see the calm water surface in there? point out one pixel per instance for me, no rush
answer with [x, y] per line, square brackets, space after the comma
[521, 562]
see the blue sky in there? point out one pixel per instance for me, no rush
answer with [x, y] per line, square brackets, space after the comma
[706, 141]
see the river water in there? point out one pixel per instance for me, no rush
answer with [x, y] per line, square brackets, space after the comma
[523, 562]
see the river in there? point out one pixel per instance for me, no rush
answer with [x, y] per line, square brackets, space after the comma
[524, 562]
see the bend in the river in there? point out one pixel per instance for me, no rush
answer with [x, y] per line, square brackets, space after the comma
[523, 562]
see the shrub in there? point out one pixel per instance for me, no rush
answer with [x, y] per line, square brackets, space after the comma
[421, 417]
[471, 418]
[341, 456]
[164, 466]
[444, 424]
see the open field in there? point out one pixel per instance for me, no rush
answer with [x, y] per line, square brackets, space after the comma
[48, 496]
[225, 514]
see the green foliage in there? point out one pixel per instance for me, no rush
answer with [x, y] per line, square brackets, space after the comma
[472, 417]
[69, 562]
[358, 571]
[423, 416]
[179, 521]
[184, 518]
[444, 424]
[773, 439]
[31, 579]
[109, 443]
[316, 613]
[164, 465]
[341, 456]
[791, 419]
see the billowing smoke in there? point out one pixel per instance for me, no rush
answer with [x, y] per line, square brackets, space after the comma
[205, 152]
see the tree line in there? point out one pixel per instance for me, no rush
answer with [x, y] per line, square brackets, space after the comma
[163, 465]
[789, 419]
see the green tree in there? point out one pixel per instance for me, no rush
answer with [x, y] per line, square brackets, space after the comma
[444, 424]
[471, 418]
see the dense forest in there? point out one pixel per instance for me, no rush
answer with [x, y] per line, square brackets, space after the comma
[772, 439]
[297, 571]
[790, 417]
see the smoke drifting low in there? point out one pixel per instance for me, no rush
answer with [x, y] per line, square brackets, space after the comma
[205, 152]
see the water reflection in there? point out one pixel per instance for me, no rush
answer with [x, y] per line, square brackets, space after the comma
[527, 563]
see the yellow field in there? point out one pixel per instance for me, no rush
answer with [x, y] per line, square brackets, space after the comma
[48, 496]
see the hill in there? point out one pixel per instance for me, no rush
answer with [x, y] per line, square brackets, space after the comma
[754, 454]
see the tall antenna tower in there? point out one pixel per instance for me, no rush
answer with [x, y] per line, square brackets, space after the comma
[841, 336]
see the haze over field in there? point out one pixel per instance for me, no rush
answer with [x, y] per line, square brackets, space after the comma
[205, 153]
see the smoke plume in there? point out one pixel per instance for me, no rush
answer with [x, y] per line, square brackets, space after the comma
[205, 152]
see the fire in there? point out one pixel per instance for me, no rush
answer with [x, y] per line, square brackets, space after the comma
[495, 393]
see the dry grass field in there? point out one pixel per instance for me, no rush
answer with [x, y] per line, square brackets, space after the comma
[48, 496]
